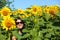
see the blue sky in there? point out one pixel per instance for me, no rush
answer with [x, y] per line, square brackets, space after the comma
[23, 4]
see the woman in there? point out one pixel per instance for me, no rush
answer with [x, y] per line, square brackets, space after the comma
[19, 26]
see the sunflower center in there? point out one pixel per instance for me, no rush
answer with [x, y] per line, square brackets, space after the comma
[35, 9]
[5, 13]
[8, 24]
[52, 12]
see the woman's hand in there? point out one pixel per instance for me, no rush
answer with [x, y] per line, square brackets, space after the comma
[13, 38]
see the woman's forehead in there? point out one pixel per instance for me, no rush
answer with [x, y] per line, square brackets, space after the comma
[18, 20]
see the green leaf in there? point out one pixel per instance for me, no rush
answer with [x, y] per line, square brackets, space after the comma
[48, 35]
[46, 39]
[58, 14]
[2, 37]
[47, 16]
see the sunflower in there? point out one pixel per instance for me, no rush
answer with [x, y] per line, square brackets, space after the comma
[34, 9]
[26, 15]
[20, 11]
[39, 11]
[46, 9]
[0, 12]
[15, 12]
[8, 23]
[5, 11]
[22, 16]
[53, 10]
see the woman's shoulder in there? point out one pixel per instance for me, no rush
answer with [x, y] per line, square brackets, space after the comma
[15, 33]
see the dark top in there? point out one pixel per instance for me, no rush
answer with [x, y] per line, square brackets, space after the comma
[17, 35]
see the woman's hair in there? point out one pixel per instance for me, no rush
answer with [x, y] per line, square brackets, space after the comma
[19, 19]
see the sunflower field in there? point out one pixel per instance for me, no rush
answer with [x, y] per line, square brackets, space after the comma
[41, 22]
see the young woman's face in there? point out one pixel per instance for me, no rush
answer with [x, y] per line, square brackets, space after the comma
[19, 24]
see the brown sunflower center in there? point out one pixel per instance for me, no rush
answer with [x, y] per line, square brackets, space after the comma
[5, 13]
[52, 12]
[34, 9]
[8, 24]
